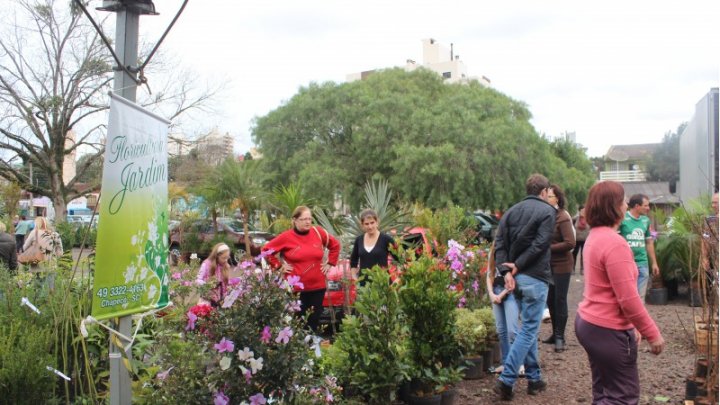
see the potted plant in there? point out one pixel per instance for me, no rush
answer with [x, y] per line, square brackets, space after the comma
[429, 306]
[471, 335]
[371, 356]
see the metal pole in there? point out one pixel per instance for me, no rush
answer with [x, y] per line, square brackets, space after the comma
[124, 85]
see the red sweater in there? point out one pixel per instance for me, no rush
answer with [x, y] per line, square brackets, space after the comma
[304, 253]
[611, 298]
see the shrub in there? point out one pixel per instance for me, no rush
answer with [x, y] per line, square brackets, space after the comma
[370, 355]
[470, 331]
[429, 305]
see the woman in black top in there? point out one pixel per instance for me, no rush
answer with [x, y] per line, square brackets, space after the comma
[371, 248]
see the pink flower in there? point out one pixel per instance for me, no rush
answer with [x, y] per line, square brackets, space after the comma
[475, 286]
[329, 397]
[246, 264]
[186, 283]
[225, 345]
[258, 399]
[191, 321]
[293, 306]
[264, 254]
[284, 335]
[462, 302]
[294, 281]
[221, 398]
[248, 376]
[265, 335]
[177, 276]
[234, 281]
[456, 265]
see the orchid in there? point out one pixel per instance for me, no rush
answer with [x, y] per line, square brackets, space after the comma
[225, 345]
[191, 321]
[245, 354]
[284, 335]
[258, 399]
[294, 281]
[265, 335]
[256, 364]
[221, 398]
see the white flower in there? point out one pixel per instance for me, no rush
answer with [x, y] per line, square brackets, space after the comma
[245, 354]
[130, 273]
[152, 232]
[193, 256]
[225, 363]
[256, 364]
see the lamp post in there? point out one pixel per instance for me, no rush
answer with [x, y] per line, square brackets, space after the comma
[124, 85]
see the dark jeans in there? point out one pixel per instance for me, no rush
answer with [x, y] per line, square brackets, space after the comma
[19, 242]
[613, 363]
[312, 300]
[579, 245]
[557, 303]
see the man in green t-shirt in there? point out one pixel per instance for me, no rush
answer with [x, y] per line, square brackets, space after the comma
[635, 228]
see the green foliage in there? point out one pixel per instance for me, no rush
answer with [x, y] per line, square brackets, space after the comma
[678, 248]
[429, 306]
[575, 172]
[377, 198]
[470, 331]
[370, 355]
[68, 234]
[451, 223]
[437, 143]
[23, 356]
[665, 162]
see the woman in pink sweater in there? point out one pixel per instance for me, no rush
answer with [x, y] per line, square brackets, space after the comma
[611, 319]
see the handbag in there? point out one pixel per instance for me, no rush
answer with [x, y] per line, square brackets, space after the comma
[33, 254]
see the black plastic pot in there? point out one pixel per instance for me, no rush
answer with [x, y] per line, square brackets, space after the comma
[448, 396]
[475, 368]
[424, 400]
[657, 296]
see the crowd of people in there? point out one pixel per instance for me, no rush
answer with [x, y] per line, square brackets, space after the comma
[535, 253]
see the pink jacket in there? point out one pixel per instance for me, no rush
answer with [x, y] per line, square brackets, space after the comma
[611, 298]
[206, 273]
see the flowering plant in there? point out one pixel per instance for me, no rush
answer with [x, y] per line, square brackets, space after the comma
[468, 266]
[250, 349]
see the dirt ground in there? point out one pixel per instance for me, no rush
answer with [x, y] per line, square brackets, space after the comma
[662, 378]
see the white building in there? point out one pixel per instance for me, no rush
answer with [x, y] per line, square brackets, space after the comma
[438, 58]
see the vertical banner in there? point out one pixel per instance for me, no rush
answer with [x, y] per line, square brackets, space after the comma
[131, 255]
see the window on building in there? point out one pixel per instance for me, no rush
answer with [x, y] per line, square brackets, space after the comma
[447, 75]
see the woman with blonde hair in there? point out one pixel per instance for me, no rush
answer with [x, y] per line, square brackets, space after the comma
[216, 268]
[49, 243]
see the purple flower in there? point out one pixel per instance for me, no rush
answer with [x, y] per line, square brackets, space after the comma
[191, 321]
[246, 264]
[231, 298]
[264, 254]
[186, 283]
[234, 281]
[163, 375]
[456, 265]
[462, 302]
[248, 376]
[293, 306]
[475, 286]
[176, 276]
[265, 335]
[294, 281]
[284, 335]
[258, 399]
[225, 345]
[329, 397]
[221, 398]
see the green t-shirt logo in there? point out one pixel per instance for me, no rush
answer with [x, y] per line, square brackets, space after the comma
[636, 231]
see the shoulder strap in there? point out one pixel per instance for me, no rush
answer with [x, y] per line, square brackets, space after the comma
[327, 236]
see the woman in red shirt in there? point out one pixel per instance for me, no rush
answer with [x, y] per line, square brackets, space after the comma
[611, 319]
[299, 253]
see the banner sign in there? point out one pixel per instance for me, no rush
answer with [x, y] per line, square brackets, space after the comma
[131, 268]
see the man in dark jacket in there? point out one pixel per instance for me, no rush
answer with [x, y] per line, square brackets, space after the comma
[8, 249]
[522, 251]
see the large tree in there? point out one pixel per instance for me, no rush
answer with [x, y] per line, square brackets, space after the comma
[664, 165]
[55, 74]
[436, 143]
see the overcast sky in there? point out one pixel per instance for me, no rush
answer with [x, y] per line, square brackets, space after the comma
[613, 72]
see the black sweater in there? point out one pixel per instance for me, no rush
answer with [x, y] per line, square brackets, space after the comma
[377, 256]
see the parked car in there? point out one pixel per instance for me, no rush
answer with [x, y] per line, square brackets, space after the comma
[334, 300]
[486, 226]
[231, 228]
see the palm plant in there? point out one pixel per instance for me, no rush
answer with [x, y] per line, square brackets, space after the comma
[284, 200]
[239, 185]
[377, 198]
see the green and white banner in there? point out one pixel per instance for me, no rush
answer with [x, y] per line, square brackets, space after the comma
[131, 268]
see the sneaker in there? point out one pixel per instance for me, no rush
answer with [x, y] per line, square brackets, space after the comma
[505, 392]
[536, 387]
